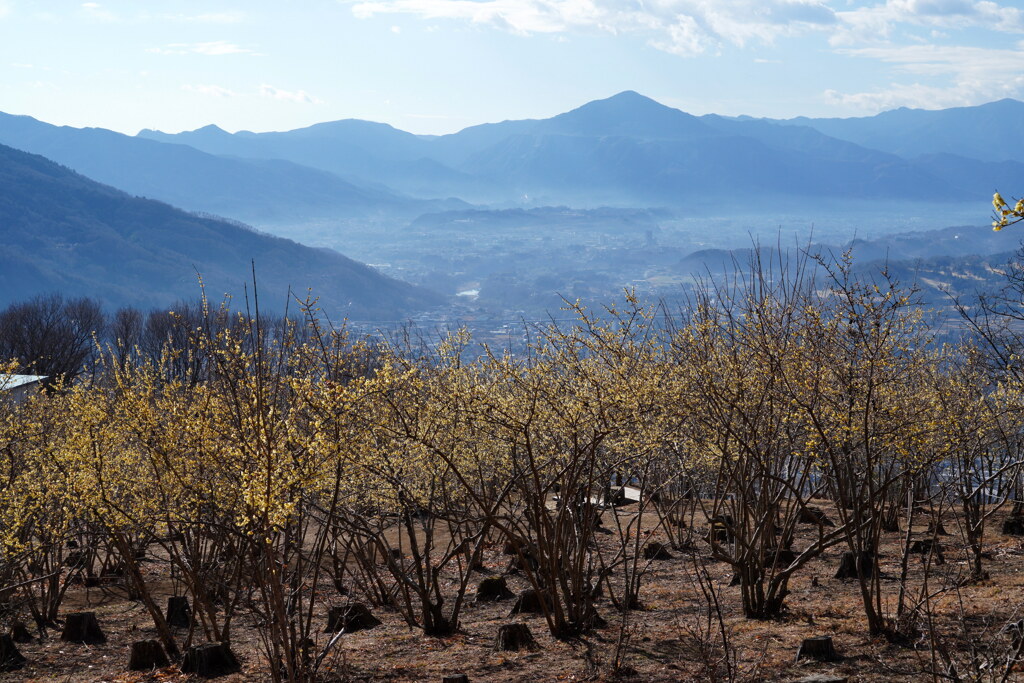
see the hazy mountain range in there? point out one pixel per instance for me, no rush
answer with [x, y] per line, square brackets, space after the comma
[350, 182]
[631, 150]
[627, 150]
[253, 190]
[63, 232]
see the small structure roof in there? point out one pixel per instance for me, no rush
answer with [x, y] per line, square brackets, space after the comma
[8, 382]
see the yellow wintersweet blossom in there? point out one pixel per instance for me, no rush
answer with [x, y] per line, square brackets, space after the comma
[1003, 214]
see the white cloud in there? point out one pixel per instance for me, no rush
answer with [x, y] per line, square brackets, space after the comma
[232, 17]
[5, 8]
[683, 27]
[209, 90]
[878, 22]
[974, 75]
[96, 11]
[298, 96]
[693, 27]
[214, 48]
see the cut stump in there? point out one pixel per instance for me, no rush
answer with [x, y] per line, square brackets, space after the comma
[656, 551]
[493, 589]
[354, 617]
[210, 661]
[10, 658]
[179, 614]
[523, 559]
[20, 633]
[82, 627]
[927, 546]
[819, 648]
[513, 637]
[851, 567]
[1014, 525]
[531, 601]
[779, 557]
[813, 515]
[721, 529]
[147, 655]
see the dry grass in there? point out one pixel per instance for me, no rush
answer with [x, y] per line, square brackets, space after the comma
[663, 645]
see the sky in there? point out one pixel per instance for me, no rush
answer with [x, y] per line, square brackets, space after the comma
[437, 66]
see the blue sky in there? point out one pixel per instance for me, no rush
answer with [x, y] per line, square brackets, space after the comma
[436, 66]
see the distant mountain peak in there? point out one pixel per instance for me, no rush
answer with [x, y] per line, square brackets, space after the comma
[626, 101]
[630, 95]
[207, 130]
[627, 113]
[211, 128]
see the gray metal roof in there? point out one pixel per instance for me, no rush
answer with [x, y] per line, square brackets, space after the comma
[8, 382]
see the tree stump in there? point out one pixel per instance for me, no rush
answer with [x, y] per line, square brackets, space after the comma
[819, 648]
[779, 557]
[656, 551]
[1014, 525]
[10, 658]
[522, 562]
[76, 559]
[720, 529]
[531, 601]
[677, 519]
[179, 614]
[493, 589]
[513, 637]
[587, 510]
[595, 620]
[210, 661]
[455, 678]
[927, 546]
[891, 523]
[351, 618]
[935, 528]
[854, 568]
[20, 633]
[82, 627]
[813, 515]
[615, 497]
[147, 655]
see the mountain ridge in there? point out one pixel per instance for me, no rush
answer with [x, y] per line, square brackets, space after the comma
[62, 231]
[628, 149]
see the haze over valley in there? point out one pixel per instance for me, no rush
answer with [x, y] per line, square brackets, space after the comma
[503, 221]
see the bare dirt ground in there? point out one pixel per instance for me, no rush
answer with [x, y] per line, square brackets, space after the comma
[665, 641]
